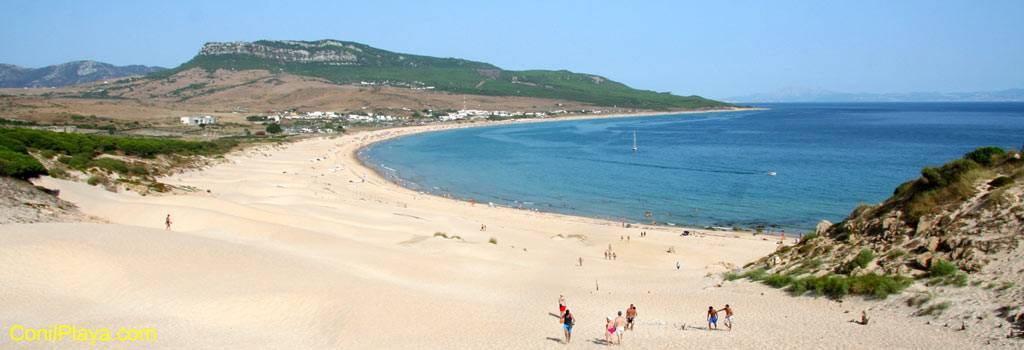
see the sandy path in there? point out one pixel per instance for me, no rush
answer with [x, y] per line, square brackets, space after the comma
[287, 251]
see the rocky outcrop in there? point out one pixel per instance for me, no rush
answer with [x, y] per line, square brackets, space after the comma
[21, 202]
[326, 51]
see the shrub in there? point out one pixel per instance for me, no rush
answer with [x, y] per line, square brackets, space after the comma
[110, 164]
[19, 165]
[731, 276]
[941, 268]
[834, 287]
[492, 240]
[1000, 181]
[778, 281]
[755, 274]
[864, 258]
[932, 178]
[274, 128]
[877, 285]
[800, 286]
[986, 156]
[94, 180]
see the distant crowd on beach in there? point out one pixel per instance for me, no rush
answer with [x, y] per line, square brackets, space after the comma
[616, 325]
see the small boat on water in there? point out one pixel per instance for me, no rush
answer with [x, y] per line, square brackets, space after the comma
[771, 173]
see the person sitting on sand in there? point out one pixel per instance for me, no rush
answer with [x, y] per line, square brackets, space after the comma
[728, 316]
[167, 222]
[712, 318]
[630, 316]
[620, 326]
[609, 327]
[567, 322]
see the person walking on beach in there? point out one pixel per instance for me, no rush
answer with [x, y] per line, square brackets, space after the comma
[728, 316]
[167, 222]
[712, 318]
[630, 316]
[609, 327]
[567, 322]
[620, 327]
[581, 261]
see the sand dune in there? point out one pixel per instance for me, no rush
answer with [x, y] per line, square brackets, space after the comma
[302, 247]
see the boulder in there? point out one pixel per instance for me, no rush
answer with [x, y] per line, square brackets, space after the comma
[933, 244]
[822, 227]
[922, 261]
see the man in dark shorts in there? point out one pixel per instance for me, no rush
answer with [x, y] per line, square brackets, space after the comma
[630, 316]
[712, 318]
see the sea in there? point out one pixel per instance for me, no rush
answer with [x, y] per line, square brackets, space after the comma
[785, 167]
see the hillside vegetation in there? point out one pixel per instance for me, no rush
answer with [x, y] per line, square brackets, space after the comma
[953, 233]
[83, 152]
[343, 62]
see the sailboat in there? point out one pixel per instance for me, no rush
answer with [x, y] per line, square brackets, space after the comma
[634, 141]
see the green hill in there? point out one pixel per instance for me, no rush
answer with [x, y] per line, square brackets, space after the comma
[344, 62]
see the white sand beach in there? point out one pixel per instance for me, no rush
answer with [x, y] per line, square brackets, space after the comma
[301, 247]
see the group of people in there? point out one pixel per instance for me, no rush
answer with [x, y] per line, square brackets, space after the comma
[609, 254]
[614, 326]
[713, 317]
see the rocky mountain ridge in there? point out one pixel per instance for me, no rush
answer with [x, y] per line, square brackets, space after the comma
[70, 73]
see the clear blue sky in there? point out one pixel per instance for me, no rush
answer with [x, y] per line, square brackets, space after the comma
[713, 48]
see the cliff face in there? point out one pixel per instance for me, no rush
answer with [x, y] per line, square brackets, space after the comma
[71, 73]
[343, 62]
[328, 51]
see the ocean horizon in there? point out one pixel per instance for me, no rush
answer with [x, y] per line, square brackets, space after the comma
[786, 167]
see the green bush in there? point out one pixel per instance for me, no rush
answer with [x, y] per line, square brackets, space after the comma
[838, 286]
[778, 281]
[110, 164]
[864, 258]
[19, 165]
[274, 128]
[756, 274]
[800, 286]
[941, 268]
[986, 156]
[492, 240]
[877, 285]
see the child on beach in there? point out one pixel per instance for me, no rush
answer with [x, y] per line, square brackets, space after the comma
[609, 327]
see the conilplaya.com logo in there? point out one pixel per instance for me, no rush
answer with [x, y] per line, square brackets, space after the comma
[58, 333]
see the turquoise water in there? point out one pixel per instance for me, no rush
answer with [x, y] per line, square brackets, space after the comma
[706, 169]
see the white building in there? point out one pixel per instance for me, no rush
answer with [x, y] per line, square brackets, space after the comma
[199, 120]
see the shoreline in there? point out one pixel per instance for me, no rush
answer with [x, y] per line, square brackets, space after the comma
[415, 130]
[293, 246]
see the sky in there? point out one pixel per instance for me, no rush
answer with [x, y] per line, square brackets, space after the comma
[716, 49]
